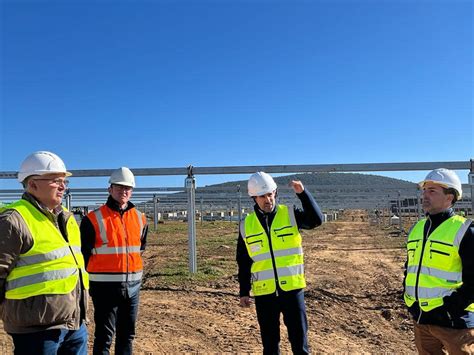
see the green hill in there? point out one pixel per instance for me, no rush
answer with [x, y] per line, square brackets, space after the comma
[331, 190]
[330, 180]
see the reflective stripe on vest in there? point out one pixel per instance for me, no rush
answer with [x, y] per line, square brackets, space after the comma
[53, 265]
[286, 248]
[117, 251]
[116, 277]
[41, 277]
[283, 271]
[440, 266]
[55, 254]
[102, 230]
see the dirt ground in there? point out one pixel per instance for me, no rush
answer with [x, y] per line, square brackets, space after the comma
[354, 273]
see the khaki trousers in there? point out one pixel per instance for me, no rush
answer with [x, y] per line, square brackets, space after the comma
[432, 340]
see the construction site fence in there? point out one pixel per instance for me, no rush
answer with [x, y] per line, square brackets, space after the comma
[156, 195]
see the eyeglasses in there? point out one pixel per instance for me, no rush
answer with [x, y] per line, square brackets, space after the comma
[58, 182]
[123, 187]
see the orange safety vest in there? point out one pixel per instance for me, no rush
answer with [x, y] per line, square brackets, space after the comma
[116, 255]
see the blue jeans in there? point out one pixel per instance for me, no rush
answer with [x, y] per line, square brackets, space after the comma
[115, 311]
[52, 342]
[469, 319]
[291, 304]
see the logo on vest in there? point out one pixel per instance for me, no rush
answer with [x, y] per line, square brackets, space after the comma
[255, 248]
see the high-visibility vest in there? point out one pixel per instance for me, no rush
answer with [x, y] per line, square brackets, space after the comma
[286, 265]
[53, 265]
[435, 269]
[116, 255]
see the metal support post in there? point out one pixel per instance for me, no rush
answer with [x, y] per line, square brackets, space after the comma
[471, 182]
[202, 211]
[190, 184]
[389, 210]
[155, 212]
[399, 212]
[68, 200]
[239, 202]
[418, 204]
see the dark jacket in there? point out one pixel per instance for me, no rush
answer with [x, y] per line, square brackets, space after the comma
[451, 313]
[41, 312]
[307, 218]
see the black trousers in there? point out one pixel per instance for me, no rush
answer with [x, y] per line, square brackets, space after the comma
[115, 310]
[291, 305]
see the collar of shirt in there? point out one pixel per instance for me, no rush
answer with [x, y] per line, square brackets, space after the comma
[262, 212]
[438, 218]
[51, 214]
[114, 205]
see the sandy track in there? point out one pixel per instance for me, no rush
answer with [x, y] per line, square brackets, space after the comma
[354, 273]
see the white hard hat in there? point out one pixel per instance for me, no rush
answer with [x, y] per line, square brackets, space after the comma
[444, 177]
[260, 184]
[41, 163]
[122, 176]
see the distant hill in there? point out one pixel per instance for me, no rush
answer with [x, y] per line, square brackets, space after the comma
[329, 180]
[332, 190]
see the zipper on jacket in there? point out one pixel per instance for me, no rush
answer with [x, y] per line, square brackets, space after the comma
[437, 252]
[268, 231]
[66, 238]
[282, 236]
[425, 238]
[126, 244]
[81, 308]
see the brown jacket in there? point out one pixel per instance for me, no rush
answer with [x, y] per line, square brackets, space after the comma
[38, 312]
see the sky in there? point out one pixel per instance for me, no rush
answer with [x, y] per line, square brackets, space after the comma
[152, 84]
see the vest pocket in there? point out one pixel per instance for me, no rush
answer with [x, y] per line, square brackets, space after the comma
[282, 236]
[439, 258]
[283, 232]
[440, 249]
[279, 229]
[437, 252]
[253, 235]
[440, 254]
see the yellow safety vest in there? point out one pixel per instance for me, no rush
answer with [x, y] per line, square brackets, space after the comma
[52, 265]
[437, 265]
[286, 265]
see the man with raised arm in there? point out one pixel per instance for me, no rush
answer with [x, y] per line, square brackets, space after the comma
[270, 261]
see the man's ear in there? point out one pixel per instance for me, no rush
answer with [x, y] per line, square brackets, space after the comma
[454, 199]
[31, 185]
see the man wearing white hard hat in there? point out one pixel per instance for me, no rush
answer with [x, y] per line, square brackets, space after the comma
[43, 282]
[113, 238]
[439, 272]
[270, 260]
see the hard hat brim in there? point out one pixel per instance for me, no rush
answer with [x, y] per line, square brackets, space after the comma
[264, 192]
[123, 183]
[421, 184]
[22, 176]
